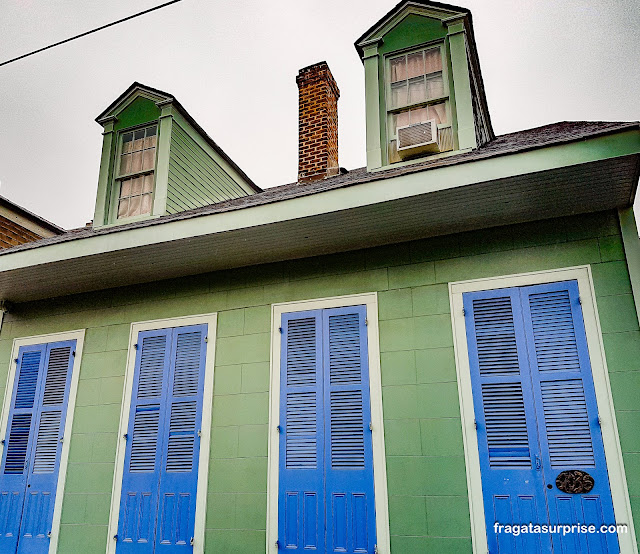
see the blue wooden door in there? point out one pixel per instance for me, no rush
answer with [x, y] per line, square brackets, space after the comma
[33, 446]
[536, 410]
[157, 505]
[326, 493]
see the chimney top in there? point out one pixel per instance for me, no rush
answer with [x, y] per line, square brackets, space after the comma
[318, 96]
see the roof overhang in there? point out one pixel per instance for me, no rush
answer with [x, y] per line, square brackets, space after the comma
[595, 174]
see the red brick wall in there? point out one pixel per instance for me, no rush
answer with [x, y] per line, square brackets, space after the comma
[12, 234]
[317, 123]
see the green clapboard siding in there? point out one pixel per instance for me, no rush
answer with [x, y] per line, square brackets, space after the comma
[428, 502]
[195, 177]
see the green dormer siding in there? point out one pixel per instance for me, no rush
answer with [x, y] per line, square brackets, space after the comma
[139, 112]
[197, 175]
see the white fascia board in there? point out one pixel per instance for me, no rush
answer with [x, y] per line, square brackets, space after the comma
[334, 200]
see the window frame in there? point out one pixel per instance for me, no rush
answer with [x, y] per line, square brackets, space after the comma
[206, 422]
[390, 111]
[610, 435]
[116, 179]
[78, 336]
[370, 301]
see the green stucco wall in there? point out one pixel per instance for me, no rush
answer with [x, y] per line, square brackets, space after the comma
[426, 472]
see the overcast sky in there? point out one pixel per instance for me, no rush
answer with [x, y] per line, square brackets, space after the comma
[232, 65]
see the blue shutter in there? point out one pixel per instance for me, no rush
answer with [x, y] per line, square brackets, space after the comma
[301, 484]
[350, 507]
[570, 435]
[512, 482]
[180, 446]
[31, 460]
[140, 480]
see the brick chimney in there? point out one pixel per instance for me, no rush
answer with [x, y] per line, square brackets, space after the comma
[317, 123]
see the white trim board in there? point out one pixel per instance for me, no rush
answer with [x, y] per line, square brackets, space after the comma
[370, 300]
[613, 453]
[78, 336]
[203, 462]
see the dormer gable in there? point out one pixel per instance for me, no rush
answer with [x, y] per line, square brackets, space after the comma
[156, 160]
[423, 86]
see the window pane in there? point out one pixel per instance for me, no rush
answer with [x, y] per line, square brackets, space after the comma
[150, 142]
[136, 187]
[415, 65]
[148, 158]
[136, 162]
[145, 208]
[134, 206]
[435, 86]
[438, 112]
[398, 69]
[151, 130]
[403, 119]
[417, 90]
[399, 95]
[419, 116]
[125, 188]
[433, 60]
[148, 183]
[125, 164]
[126, 142]
[123, 207]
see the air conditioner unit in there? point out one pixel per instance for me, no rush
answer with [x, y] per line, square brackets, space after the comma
[418, 138]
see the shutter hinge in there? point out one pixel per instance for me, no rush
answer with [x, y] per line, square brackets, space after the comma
[375, 549]
[464, 312]
[206, 339]
[579, 300]
[475, 423]
[280, 329]
[191, 542]
[125, 436]
[136, 346]
[199, 432]
[62, 439]
[2, 441]
[115, 537]
[73, 353]
[599, 421]
[49, 535]
[16, 360]
[370, 426]
[366, 321]
[279, 428]
[278, 545]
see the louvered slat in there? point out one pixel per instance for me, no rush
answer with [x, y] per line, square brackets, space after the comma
[151, 366]
[18, 443]
[301, 352]
[301, 439]
[344, 350]
[506, 425]
[187, 367]
[347, 430]
[55, 383]
[182, 432]
[145, 439]
[553, 332]
[495, 337]
[28, 379]
[47, 441]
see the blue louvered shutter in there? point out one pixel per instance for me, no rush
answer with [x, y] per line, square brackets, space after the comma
[180, 440]
[349, 492]
[570, 435]
[512, 481]
[301, 525]
[31, 457]
[141, 475]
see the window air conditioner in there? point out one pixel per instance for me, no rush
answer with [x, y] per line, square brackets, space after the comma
[418, 138]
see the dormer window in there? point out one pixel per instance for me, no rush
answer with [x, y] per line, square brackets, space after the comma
[418, 120]
[136, 171]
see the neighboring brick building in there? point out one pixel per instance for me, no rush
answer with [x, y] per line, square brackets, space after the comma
[18, 225]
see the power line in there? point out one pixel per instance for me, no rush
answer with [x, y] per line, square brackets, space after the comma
[89, 32]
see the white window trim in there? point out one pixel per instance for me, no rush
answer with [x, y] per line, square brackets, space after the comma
[203, 463]
[370, 300]
[78, 336]
[613, 453]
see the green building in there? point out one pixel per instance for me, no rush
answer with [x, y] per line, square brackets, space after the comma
[438, 352]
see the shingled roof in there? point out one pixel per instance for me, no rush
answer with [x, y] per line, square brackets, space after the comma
[512, 143]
